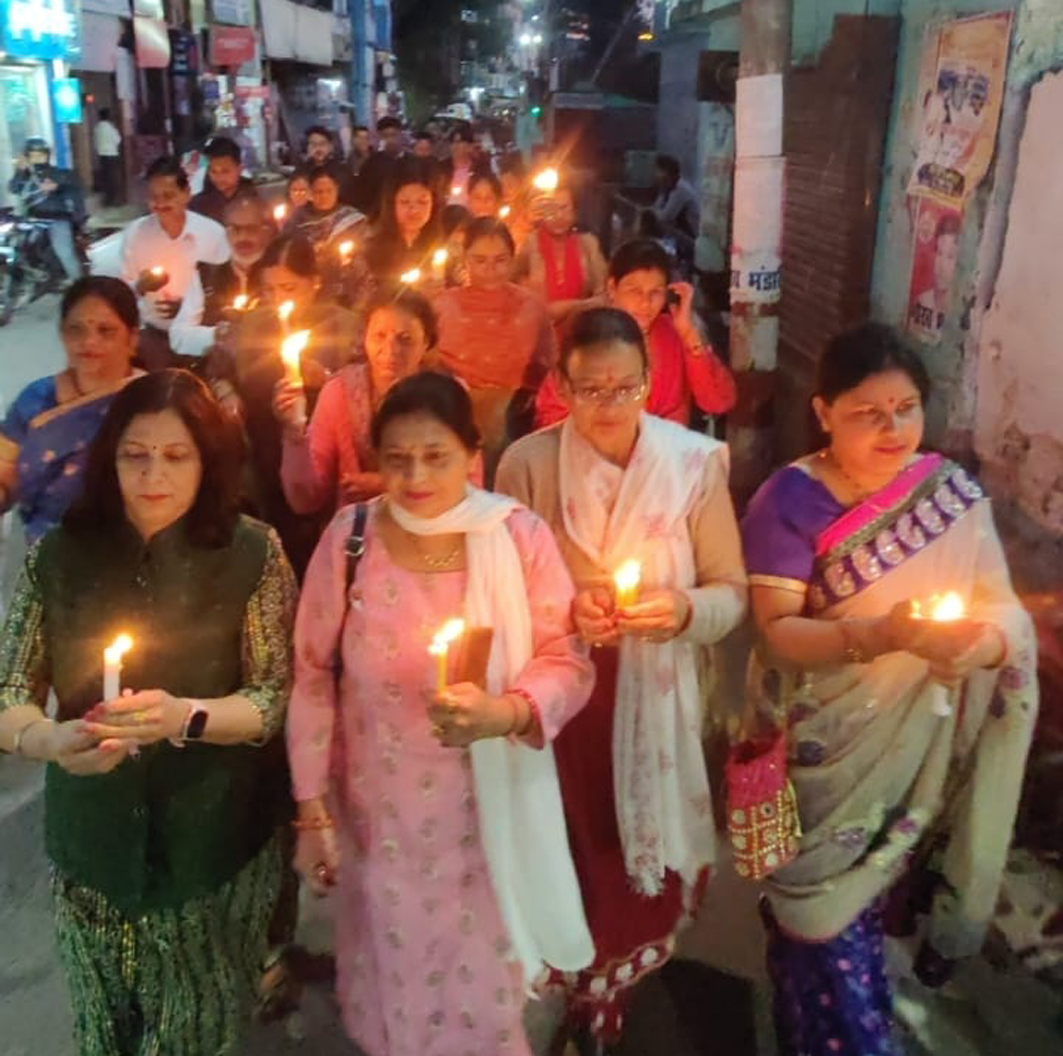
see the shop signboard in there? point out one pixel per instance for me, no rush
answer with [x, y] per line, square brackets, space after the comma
[231, 46]
[40, 29]
[234, 12]
[66, 100]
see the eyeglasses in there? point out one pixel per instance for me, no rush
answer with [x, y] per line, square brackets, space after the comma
[619, 396]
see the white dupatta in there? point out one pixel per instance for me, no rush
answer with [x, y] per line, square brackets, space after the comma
[522, 820]
[661, 788]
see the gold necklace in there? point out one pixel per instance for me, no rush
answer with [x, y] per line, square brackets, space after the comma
[860, 491]
[437, 562]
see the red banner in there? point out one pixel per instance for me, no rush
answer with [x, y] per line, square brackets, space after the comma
[231, 46]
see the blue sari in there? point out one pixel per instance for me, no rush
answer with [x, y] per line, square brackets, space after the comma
[49, 443]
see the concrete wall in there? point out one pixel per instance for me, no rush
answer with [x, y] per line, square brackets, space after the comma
[969, 413]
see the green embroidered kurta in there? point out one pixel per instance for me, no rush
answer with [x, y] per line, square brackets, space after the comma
[166, 846]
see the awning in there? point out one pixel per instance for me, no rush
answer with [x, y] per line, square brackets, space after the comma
[231, 46]
[153, 43]
[99, 43]
[292, 31]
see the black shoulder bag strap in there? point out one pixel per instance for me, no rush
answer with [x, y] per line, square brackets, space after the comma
[355, 548]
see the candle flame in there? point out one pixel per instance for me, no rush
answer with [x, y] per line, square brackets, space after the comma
[948, 607]
[284, 312]
[240, 301]
[158, 272]
[280, 212]
[547, 180]
[292, 347]
[455, 191]
[346, 248]
[439, 258]
[504, 212]
[627, 576]
[118, 648]
[451, 631]
[409, 278]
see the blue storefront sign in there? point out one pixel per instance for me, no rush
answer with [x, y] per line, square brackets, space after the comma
[40, 29]
[66, 100]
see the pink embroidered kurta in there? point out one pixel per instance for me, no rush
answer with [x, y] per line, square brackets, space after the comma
[421, 945]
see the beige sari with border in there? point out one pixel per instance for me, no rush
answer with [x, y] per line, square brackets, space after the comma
[879, 771]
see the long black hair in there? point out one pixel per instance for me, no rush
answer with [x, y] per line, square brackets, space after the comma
[387, 252]
[213, 515]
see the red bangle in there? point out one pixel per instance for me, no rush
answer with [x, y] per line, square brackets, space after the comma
[313, 824]
[533, 713]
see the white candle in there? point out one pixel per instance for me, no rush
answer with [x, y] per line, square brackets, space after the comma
[284, 314]
[451, 631]
[439, 264]
[292, 348]
[547, 181]
[112, 666]
[944, 608]
[627, 578]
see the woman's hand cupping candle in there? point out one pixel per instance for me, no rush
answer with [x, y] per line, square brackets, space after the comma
[627, 578]
[451, 631]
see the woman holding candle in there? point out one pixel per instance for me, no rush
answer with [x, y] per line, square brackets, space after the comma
[331, 461]
[839, 544]
[618, 486]
[496, 336]
[564, 265]
[163, 806]
[287, 274]
[684, 370]
[437, 814]
[45, 436]
[409, 230]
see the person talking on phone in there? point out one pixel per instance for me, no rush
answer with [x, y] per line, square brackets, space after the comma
[684, 370]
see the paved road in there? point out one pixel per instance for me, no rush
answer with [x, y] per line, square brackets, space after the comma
[710, 1003]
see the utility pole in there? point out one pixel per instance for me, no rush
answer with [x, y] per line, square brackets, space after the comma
[756, 255]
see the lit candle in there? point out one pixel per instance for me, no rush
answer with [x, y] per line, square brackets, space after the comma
[451, 631]
[346, 249]
[411, 277]
[280, 212]
[944, 608]
[292, 352]
[503, 213]
[159, 273]
[439, 264]
[455, 191]
[284, 314]
[547, 181]
[240, 302]
[112, 666]
[627, 578]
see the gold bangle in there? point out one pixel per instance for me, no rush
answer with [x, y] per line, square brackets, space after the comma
[16, 744]
[852, 654]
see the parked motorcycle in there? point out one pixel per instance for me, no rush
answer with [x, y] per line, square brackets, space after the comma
[29, 267]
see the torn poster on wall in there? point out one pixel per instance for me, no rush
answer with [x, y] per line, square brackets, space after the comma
[961, 90]
[961, 108]
[937, 239]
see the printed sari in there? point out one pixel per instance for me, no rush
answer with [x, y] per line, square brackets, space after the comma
[880, 772]
[49, 442]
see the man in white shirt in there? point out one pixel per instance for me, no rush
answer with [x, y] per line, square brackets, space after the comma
[160, 253]
[107, 139]
[202, 320]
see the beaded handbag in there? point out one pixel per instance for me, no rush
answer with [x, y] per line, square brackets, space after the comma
[762, 816]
